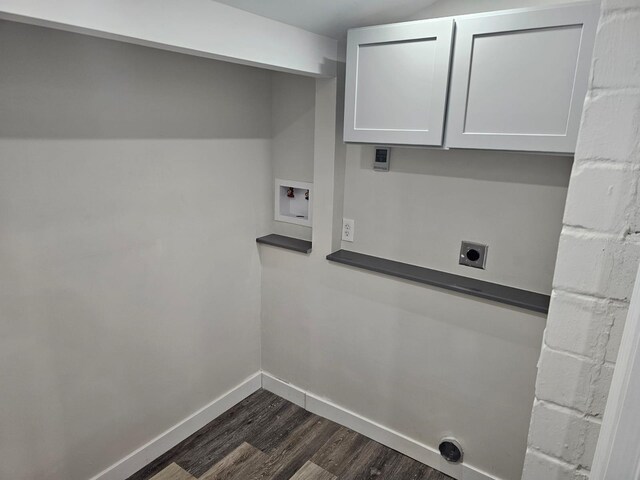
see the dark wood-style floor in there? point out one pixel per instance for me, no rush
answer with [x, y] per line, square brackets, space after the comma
[266, 437]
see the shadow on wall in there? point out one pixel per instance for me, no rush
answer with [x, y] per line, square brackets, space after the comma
[61, 85]
[293, 105]
[130, 288]
[494, 166]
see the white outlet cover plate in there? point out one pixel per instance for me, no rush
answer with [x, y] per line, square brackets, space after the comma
[348, 229]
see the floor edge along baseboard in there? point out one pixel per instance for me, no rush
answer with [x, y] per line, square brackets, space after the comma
[141, 457]
[307, 400]
[390, 438]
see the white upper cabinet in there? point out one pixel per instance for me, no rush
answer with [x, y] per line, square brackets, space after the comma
[519, 79]
[396, 83]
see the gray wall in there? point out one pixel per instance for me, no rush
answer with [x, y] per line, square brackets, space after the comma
[293, 121]
[133, 183]
[431, 200]
[419, 360]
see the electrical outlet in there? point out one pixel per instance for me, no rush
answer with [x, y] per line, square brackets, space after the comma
[473, 255]
[348, 229]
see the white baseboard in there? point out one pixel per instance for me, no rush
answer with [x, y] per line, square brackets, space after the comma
[392, 439]
[284, 389]
[170, 438]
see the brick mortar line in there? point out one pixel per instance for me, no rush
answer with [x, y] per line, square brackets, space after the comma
[575, 229]
[559, 461]
[605, 164]
[595, 361]
[577, 356]
[620, 301]
[607, 14]
[586, 232]
[589, 297]
[568, 410]
[604, 161]
[608, 91]
[611, 91]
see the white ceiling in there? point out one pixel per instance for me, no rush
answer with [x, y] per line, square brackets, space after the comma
[332, 17]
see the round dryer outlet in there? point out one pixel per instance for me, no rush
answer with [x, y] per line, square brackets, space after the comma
[451, 450]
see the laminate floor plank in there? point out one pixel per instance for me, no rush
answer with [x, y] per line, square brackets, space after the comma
[217, 443]
[338, 453]
[373, 461]
[173, 472]
[409, 469]
[285, 422]
[265, 437]
[311, 471]
[148, 471]
[233, 464]
[296, 449]
[195, 445]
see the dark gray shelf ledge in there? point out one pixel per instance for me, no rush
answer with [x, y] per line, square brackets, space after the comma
[536, 302]
[289, 243]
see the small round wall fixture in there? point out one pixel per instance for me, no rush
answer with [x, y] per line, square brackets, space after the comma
[451, 450]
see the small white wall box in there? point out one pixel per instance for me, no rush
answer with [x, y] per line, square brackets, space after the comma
[297, 208]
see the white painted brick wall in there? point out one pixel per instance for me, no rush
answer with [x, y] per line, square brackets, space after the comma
[612, 5]
[538, 466]
[563, 433]
[600, 141]
[594, 263]
[618, 313]
[615, 33]
[597, 142]
[598, 257]
[579, 383]
[615, 187]
[588, 326]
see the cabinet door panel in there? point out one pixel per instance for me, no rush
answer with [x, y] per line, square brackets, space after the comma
[396, 83]
[519, 79]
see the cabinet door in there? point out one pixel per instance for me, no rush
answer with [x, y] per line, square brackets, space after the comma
[519, 79]
[396, 83]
